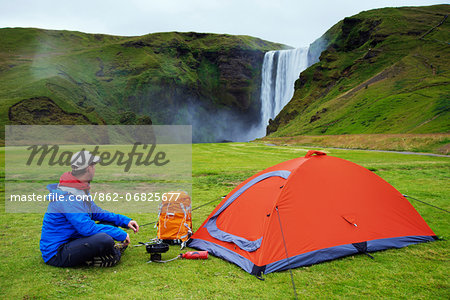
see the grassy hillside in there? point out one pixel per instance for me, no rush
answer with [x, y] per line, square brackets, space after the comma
[63, 77]
[383, 71]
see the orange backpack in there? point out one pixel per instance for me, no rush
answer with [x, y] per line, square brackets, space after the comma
[174, 218]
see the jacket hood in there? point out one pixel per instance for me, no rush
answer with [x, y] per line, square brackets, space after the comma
[67, 179]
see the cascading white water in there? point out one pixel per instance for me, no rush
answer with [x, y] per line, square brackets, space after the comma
[279, 72]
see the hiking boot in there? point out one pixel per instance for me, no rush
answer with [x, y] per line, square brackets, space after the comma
[121, 247]
[104, 261]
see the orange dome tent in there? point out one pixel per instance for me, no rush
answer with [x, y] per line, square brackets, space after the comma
[309, 210]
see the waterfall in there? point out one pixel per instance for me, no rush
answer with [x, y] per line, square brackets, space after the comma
[280, 70]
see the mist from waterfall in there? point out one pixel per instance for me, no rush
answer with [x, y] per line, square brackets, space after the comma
[280, 70]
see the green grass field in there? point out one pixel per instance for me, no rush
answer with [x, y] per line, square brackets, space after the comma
[438, 143]
[417, 271]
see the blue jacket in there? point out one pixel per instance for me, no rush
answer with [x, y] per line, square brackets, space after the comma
[67, 219]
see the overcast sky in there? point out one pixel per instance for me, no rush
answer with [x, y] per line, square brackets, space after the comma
[295, 23]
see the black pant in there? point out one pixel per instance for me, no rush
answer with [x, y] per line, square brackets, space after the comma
[77, 252]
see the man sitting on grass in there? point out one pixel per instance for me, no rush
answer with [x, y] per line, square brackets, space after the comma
[70, 236]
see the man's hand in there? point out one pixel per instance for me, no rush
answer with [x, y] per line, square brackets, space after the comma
[127, 240]
[133, 225]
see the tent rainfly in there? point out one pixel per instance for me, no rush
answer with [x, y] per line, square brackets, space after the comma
[309, 210]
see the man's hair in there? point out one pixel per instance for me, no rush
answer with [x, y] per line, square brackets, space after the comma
[81, 172]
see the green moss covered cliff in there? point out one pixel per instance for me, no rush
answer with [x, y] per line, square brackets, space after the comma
[64, 77]
[383, 71]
